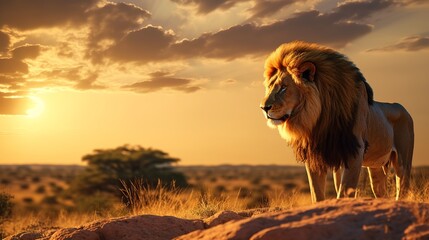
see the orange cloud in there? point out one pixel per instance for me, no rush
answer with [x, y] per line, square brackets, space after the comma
[336, 28]
[207, 6]
[164, 80]
[4, 42]
[13, 105]
[410, 44]
[28, 14]
[147, 44]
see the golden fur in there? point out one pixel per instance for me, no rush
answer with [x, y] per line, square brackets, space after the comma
[324, 108]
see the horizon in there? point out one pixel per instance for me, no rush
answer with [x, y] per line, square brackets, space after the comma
[185, 77]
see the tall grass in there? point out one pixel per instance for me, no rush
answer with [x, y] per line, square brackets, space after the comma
[141, 198]
[40, 217]
[419, 188]
[39, 222]
[185, 203]
[202, 203]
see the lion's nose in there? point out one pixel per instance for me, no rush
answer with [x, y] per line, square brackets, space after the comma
[266, 108]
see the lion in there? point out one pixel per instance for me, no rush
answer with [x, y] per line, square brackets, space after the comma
[324, 108]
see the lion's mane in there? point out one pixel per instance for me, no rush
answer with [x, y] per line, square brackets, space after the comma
[322, 138]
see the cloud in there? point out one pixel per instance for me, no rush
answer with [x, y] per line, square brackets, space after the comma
[260, 8]
[409, 44]
[10, 80]
[91, 26]
[107, 22]
[163, 80]
[80, 77]
[14, 105]
[12, 66]
[4, 42]
[116, 32]
[25, 52]
[263, 8]
[336, 28]
[360, 10]
[413, 2]
[89, 83]
[207, 6]
[15, 64]
[266, 8]
[228, 82]
[29, 14]
[144, 45]
[110, 23]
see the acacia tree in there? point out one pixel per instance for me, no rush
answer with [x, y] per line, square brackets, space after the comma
[107, 167]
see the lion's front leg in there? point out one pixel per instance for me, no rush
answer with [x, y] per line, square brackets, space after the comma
[316, 181]
[336, 176]
[350, 177]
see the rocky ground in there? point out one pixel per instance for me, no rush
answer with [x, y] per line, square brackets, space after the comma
[332, 219]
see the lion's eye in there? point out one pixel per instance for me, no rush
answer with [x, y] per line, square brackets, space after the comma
[282, 89]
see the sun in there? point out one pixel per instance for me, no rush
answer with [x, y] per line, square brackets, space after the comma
[38, 108]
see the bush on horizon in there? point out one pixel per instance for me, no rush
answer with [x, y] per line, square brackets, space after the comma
[106, 168]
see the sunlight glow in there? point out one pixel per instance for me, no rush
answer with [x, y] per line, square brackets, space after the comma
[38, 108]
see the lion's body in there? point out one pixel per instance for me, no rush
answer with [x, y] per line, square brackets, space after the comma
[324, 108]
[391, 138]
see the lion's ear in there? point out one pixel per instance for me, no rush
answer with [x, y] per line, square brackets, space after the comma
[307, 70]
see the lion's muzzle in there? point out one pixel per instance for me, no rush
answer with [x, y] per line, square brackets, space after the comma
[284, 118]
[266, 108]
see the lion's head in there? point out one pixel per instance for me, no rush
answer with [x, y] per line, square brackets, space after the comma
[311, 96]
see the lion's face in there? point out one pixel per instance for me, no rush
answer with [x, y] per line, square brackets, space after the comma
[292, 101]
[282, 96]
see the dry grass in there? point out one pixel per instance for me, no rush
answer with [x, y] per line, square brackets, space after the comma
[419, 187]
[191, 204]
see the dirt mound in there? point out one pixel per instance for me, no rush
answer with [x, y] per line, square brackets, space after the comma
[126, 228]
[333, 219]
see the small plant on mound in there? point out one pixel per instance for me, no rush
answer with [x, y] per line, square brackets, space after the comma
[208, 204]
[142, 198]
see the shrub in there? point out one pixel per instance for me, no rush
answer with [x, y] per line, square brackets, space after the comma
[50, 200]
[5, 181]
[107, 167]
[220, 189]
[40, 189]
[95, 203]
[57, 189]
[258, 200]
[35, 179]
[5, 206]
[243, 192]
[28, 200]
[256, 181]
[288, 186]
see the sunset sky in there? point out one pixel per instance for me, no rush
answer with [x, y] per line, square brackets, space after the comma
[185, 76]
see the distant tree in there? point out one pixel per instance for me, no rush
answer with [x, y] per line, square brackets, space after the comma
[107, 167]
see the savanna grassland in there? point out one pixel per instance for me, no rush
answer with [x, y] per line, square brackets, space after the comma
[41, 197]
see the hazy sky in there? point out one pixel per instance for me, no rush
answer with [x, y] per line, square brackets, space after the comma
[185, 76]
